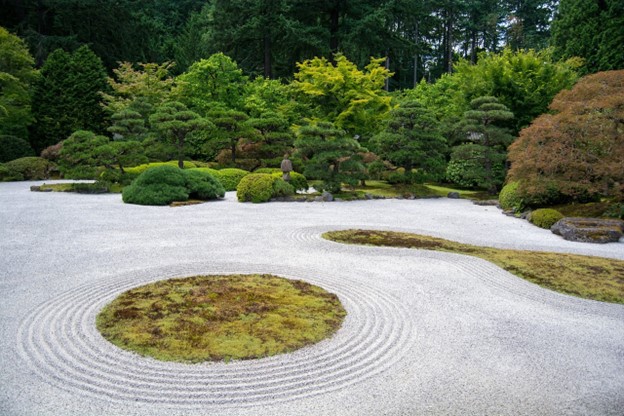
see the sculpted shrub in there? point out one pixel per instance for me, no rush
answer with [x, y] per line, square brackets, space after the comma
[26, 168]
[255, 187]
[509, 198]
[578, 151]
[162, 185]
[230, 177]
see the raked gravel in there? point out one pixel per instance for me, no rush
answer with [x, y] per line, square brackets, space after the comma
[427, 333]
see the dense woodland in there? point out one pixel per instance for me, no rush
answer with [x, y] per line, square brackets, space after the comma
[406, 91]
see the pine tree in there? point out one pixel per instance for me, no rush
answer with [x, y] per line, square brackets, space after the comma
[487, 140]
[175, 121]
[412, 139]
[272, 140]
[329, 155]
[230, 129]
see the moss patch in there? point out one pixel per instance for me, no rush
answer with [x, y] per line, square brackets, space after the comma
[588, 277]
[214, 318]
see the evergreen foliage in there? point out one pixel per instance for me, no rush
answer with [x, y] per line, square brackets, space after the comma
[68, 97]
[162, 185]
[412, 140]
[485, 152]
[255, 187]
[329, 154]
[545, 217]
[592, 30]
[12, 148]
[175, 121]
[17, 74]
[25, 169]
[77, 157]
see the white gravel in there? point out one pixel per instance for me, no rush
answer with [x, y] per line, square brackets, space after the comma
[426, 333]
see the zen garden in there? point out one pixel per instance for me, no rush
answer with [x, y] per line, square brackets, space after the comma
[311, 208]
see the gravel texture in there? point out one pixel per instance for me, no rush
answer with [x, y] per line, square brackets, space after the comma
[426, 332]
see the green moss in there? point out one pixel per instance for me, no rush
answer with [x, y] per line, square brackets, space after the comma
[584, 276]
[545, 217]
[214, 318]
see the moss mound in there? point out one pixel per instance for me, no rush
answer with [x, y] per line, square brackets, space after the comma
[545, 217]
[214, 318]
[164, 184]
[509, 197]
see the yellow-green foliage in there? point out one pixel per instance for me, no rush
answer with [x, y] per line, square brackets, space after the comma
[545, 217]
[509, 198]
[584, 276]
[135, 170]
[255, 187]
[229, 177]
[297, 180]
[213, 318]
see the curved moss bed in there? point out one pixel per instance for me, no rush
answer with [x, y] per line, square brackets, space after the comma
[588, 277]
[223, 317]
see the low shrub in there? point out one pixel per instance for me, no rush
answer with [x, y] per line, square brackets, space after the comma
[297, 180]
[545, 217]
[142, 168]
[26, 168]
[268, 170]
[202, 185]
[509, 198]
[231, 177]
[97, 187]
[255, 187]
[12, 147]
[282, 188]
[164, 184]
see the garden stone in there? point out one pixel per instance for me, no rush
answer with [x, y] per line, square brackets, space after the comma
[453, 195]
[327, 197]
[589, 230]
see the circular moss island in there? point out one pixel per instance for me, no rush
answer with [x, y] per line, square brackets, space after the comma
[220, 317]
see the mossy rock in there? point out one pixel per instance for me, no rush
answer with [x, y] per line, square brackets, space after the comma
[589, 230]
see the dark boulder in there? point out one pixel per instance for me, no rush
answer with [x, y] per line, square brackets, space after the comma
[453, 195]
[589, 230]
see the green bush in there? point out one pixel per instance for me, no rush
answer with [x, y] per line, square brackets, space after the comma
[12, 148]
[164, 184]
[136, 170]
[268, 170]
[509, 198]
[97, 187]
[255, 187]
[230, 177]
[297, 180]
[282, 188]
[545, 218]
[26, 168]
[202, 185]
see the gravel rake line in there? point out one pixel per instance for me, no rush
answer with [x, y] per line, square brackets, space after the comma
[62, 346]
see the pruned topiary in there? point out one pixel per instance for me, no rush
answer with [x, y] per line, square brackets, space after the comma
[545, 217]
[231, 177]
[162, 185]
[255, 187]
[509, 198]
[26, 168]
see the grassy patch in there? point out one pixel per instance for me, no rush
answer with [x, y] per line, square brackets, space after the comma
[58, 187]
[214, 318]
[584, 276]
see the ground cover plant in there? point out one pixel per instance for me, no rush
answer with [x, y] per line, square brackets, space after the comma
[584, 276]
[214, 318]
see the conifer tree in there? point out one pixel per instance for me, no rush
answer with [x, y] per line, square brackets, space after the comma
[329, 155]
[412, 139]
[175, 121]
[487, 139]
[68, 97]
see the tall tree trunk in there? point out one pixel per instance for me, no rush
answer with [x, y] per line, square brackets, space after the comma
[449, 41]
[473, 48]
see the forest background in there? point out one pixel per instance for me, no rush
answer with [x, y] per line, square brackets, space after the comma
[453, 83]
